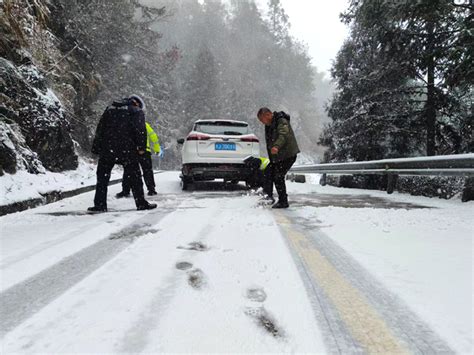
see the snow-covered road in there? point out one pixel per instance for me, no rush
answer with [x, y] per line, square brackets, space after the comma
[341, 271]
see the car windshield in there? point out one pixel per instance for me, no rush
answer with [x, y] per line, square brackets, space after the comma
[222, 127]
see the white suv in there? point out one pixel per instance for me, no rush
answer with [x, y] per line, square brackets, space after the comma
[215, 149]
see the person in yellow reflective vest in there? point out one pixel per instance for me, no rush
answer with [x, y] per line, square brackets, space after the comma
[260, 175]
[263, 163]
[152, 143]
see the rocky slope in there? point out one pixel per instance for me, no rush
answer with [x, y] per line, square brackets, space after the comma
[43, 85]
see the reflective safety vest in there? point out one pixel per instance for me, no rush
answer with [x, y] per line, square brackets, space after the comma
[264, 163]
[151, 135]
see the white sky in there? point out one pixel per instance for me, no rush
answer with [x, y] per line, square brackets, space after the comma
[316, 23]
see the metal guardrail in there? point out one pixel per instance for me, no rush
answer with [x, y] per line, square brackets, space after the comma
[441, 165]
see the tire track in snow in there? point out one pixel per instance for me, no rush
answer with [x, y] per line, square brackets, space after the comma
[8, 262]
[137, 338]
[337, 336]
[411, 333]
[24, 299]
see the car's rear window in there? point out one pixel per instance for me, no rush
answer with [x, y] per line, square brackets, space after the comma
[222, 127]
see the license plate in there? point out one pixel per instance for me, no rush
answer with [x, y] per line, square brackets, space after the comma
[224, 146]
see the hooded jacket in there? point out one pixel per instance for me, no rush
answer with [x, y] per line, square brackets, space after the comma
[121, 132]
[280, 134]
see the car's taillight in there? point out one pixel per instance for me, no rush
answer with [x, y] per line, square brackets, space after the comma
[249, 139]
[197, 137]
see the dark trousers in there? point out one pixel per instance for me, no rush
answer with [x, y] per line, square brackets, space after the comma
[275, 174]
[264, 179]
[147, 167]
[131, 170]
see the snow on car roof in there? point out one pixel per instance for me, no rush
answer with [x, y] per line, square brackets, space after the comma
[217, 120]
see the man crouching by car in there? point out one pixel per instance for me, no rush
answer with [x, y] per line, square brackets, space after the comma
[282, 150]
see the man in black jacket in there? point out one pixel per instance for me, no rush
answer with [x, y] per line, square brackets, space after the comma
[282, 149]
[120, 138]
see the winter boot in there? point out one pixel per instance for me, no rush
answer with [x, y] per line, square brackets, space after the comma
[281, 204]
[152, 193]
[97, 209]
[146, 206]
[122, 194]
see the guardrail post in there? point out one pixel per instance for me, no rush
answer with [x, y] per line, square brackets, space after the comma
[468, 191]
[391, 182]
[323, 181]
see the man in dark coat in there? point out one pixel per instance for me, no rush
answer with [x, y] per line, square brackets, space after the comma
[120, 138]
[282, 149]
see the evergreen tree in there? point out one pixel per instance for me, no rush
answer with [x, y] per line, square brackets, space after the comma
[279, 21]
[403, 75]
[123, 50]
[232, 63]
[202, 88]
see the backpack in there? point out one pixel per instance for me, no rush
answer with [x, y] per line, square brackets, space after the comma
[115, 132]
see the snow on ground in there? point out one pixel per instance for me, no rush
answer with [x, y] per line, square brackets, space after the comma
[140, 301]
[24, 253]
[24, 186]
[313, 178]
[424, 255]
[154, 293]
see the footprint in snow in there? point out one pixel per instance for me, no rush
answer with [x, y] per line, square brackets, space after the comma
[183, 265]
[264, 320]
[196, 279]
[259, 314]
[196, 246]
[256, 294]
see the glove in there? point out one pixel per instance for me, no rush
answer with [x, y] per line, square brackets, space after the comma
[161, 154]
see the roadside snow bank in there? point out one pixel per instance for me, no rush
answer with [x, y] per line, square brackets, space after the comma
[25, 186]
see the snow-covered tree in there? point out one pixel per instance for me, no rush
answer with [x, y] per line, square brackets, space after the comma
[403, 76]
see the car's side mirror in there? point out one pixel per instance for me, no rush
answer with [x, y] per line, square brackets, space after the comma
[180, 141]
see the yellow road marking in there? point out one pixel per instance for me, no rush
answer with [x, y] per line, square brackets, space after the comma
[364, 323]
